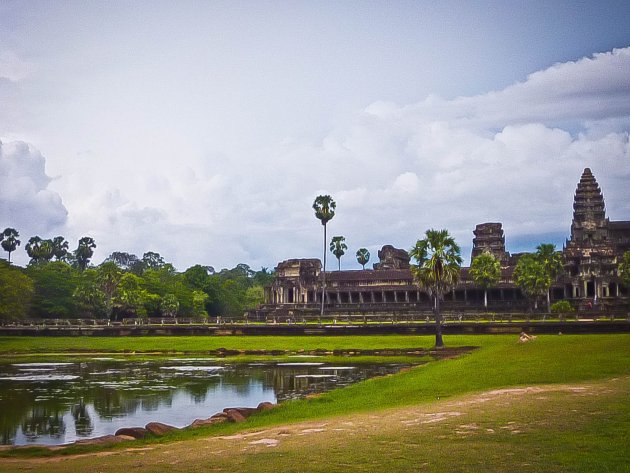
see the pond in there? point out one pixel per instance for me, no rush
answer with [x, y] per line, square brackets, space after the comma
[53, 402]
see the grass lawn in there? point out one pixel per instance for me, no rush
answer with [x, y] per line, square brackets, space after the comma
[499, 363]
[201, 344]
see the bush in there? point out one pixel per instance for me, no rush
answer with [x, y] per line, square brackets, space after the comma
[561, 307]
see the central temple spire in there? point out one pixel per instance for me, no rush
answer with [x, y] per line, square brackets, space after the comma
[589, 211]
[588, 204]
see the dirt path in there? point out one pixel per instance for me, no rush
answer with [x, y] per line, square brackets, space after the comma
[526, 428]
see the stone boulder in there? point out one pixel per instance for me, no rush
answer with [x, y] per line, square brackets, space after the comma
[244, 411]
[105, 439]
[135, 432]
[210, 421]
[235, 416]
[158, 429]
[265, 406]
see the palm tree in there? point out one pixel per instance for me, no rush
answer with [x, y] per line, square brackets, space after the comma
[40, 251]
[9, 240]
[324, 207]
[551, 261]
[84, 252]
[437, 268]
[338, 248]
[363, 256]
[485, 270]
[532, 277]
[60, 248]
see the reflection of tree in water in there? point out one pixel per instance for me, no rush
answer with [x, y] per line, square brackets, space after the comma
[198, 390]
[42, 421]
[82, 421]
[7, 434]
[110, 403]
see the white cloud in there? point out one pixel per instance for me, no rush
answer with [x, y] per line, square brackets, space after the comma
[26, 203]
[513, 155]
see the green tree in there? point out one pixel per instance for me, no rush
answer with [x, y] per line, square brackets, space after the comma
[127, 262]
[16, 291]
[169, 305]
[84, 252]
[552, 263]
[437, 270]
[199, 304]
[108, 277]
[9, 239]
[532, 277]
[324, 207]
[59, 248]
[88, 296]
[263, 278]
[623, 269]
[485, 271]
[363, 256]
[152, 260]
[40, 251]
[254, 296]
[338, 248]
[55, 284]
[130, 295]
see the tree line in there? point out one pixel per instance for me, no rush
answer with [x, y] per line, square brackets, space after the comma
[58, 283]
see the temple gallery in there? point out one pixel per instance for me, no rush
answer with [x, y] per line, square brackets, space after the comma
[590, 256]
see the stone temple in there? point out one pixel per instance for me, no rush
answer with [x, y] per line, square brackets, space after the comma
[590, 256]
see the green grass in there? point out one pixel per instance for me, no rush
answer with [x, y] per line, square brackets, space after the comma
[499, 362]
[201, 344]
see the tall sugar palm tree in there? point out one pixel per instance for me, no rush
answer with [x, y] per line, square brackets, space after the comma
[552, 263]
[324, 207]
[485, 270]
[338, 248]
[437, 269]
[60, 248]
[363, 256]
[84, 252]
[9, 240]
[40, 251]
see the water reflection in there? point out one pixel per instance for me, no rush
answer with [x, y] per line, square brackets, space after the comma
[55, 403]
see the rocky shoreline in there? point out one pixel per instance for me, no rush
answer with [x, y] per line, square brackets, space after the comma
[158, 429]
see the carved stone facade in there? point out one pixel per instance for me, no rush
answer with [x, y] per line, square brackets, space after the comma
[595, 247]
[591, 257]
[392, 258]
[489, 237]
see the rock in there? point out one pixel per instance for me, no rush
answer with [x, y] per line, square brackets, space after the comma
[244, 411]
[219, 415]
[200, 423]
[235, 416]
[135, 432]
[105, 439]
[265, 406]
[159, 429]
[210, 421]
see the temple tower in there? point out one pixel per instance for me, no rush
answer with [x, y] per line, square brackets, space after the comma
[489, 237]
[589, 254]
[589, 223]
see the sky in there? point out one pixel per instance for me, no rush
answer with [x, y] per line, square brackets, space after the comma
[204, 130]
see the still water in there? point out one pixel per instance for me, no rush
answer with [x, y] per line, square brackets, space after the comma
[59, 402]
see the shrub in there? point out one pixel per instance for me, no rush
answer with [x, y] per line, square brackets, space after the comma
[561, 307]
